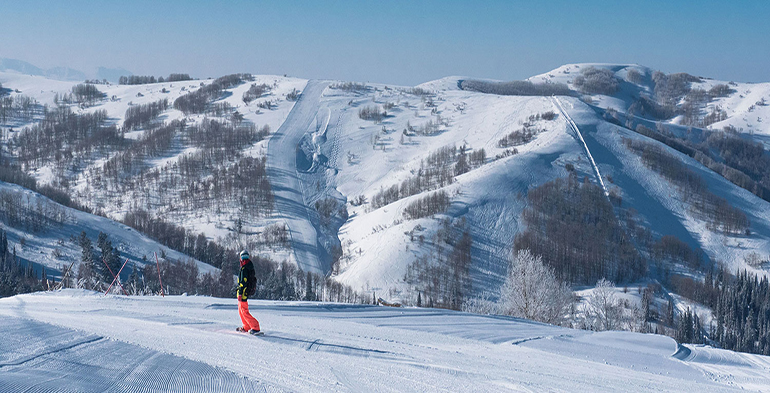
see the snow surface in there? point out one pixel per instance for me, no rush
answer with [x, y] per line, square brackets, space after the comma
[81, 341]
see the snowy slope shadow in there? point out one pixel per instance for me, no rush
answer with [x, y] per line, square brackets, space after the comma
[313, 344]
[321, 346]
[38, 357]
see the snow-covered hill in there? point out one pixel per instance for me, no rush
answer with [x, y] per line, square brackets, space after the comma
[746, 105]
[378, 244]
[86, 342]
[118, 99]
[55, 244]
[328, 164]
[62, 73]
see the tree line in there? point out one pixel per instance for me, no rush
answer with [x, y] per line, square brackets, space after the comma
[349, 86]
[62, 134]
[13, 174]
[373, 113]
[594, 80]
[34, 214]
[130, 160]
[720, 151]
[179, 238]
[429, 205]
[516, 88]
[140, 116]
[740, 155]
[18, 107]
[100, 260]
[87, 94]
[743, 313]
[255, 91]
[197, 101]
[740, 306]
[518, 137]
[573, 227]
[143, 80]
[527, 133]
[209, 177]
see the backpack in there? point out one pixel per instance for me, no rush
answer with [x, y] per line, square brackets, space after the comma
[251, 280]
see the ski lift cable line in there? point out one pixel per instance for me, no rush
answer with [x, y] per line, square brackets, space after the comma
[571, 124]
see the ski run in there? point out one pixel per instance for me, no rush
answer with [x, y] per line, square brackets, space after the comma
[81, 341]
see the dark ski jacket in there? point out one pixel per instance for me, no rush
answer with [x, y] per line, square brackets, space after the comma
[246, 279]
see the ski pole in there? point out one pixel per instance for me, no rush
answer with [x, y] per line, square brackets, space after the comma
[116, 277]
[113, 276]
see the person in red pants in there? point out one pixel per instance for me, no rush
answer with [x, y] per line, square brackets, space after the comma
[246, 286]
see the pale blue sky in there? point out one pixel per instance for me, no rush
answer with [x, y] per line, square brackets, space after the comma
[397, 42]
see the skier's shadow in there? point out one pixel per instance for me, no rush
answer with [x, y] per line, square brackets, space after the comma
[319, 346]
[314, 345]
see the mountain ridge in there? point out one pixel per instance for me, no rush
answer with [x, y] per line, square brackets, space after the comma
[347, 159]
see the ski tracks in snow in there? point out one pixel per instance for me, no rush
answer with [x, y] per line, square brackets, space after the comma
[290, 204]
[574, 126]
[329, 347]
[36, 356]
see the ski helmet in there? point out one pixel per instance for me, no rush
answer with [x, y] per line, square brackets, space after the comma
[244, 255]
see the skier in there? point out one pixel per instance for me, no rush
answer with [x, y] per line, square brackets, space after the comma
[246, 287]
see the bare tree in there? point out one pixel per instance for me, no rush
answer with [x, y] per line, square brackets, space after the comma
[532, 291]
[604, 310]
[481, 304]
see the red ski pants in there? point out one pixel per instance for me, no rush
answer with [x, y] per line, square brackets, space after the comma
[249, 322]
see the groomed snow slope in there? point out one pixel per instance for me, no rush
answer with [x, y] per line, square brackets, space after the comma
[290, 201]
[80, 341]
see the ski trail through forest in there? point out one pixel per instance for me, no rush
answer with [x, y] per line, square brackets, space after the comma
[287, 186]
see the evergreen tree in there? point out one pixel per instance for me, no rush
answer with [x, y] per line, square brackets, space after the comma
[646, 301]
[87, 270]
[309, 295]
[110, 257]
[462, 162]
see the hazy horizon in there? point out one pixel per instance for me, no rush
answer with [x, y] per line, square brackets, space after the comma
[395, 42]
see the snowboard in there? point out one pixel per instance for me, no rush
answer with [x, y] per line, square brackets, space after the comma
[240, 330]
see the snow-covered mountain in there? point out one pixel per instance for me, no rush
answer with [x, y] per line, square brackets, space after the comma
[746, 106]
[410, 193]
[62, 73]
[89, 342]
[333, 154]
